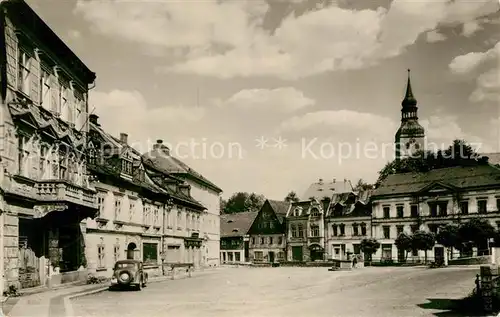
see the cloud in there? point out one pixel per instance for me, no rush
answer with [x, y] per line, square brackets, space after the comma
[128, 112]
[470, 61]
[226, 39]
[434, 36]
[488, 87]
[487, 83]
[286, 99]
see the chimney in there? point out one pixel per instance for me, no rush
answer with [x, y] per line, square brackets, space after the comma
[123, 138]
[93, 119]
[334, 180]
[320, 181]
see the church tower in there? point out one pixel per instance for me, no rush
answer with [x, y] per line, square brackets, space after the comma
[410, 136]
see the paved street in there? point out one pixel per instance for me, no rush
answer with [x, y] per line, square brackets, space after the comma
[276, 292]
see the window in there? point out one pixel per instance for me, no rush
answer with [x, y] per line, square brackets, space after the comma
[400, 230]
[230, 256]
[64, 98]
[23, 158]
[118, 207]
[101, 263]
[414, 228]
[188, 225]
[433, 228]
[179, 219]
[300, 230]
[131, 210]
[150, 252]
[24, 67]
[315, 212]
[127, 167]
[100, 204]
[387, 212]
[224, 256]
[259, 255]
[335, 230]
[481, 206]
[280, 240]
[253, 240]
[387, 232]
[355, 230]
[464, 207]
[117, 252]
[271, 240]
[262, 241]
[433, 209]
[237, 256]
[314, 231]
[443, 206]
[342, 229]
[498, 204]
[63, 166]
[45, 93]
[363, 229]
[414, 211]
[400, 211]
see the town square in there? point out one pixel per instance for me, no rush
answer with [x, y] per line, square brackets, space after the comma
[249, 158]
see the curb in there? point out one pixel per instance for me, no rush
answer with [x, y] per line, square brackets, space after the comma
[68, 308]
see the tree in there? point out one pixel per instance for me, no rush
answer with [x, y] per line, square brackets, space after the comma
[361, 185]
[404, 242]
[292, 197]
[242, 201]
[476, 231]
[422, 240]
[369, 247]
[449, 237]
[459, 153]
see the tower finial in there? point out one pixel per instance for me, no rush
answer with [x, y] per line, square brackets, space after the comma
[409, 99]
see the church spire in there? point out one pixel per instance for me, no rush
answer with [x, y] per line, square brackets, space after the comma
[409, 99]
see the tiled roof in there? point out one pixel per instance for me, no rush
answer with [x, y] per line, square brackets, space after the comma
[322, 189]
[237, 224]
[158, 159]
[459, 177]
[280, 208]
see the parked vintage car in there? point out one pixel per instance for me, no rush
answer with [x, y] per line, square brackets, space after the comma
[129, 273]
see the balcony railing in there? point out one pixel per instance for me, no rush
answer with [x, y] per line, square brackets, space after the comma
[61, 190]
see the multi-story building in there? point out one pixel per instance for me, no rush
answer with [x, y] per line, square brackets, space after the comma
[348, 222]
[144, 216]
[423, 201]
[203, 190]
[410, 136]
[305, 221]
[45, 188]
[234, 241]
[267, 233]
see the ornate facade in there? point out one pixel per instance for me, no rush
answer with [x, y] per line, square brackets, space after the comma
[45, 187]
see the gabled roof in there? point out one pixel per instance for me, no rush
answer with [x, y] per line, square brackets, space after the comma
[237, 224]
[323, 189]
[460, 177]
[280, 208]
[163, 161]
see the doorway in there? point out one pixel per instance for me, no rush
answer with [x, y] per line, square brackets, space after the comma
[271, 257]
[439, 254]
[131, 251]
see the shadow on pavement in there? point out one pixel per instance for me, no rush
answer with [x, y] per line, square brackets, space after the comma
[469, 306]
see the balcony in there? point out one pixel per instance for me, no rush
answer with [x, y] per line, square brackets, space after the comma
[61, 190]
[46, 191]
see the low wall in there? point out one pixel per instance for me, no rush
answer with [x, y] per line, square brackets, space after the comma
[68, 277]
[308, 264]
[486, 259]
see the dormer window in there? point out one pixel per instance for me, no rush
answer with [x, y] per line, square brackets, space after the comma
[315, 212]
[126, 167]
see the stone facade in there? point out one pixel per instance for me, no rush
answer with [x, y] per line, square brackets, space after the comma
[46, 192]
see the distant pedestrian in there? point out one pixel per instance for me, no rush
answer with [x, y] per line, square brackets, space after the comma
[354, 261]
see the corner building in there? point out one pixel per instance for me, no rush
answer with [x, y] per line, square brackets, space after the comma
[45, 187]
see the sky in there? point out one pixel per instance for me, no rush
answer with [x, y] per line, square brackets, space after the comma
[270, 96]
